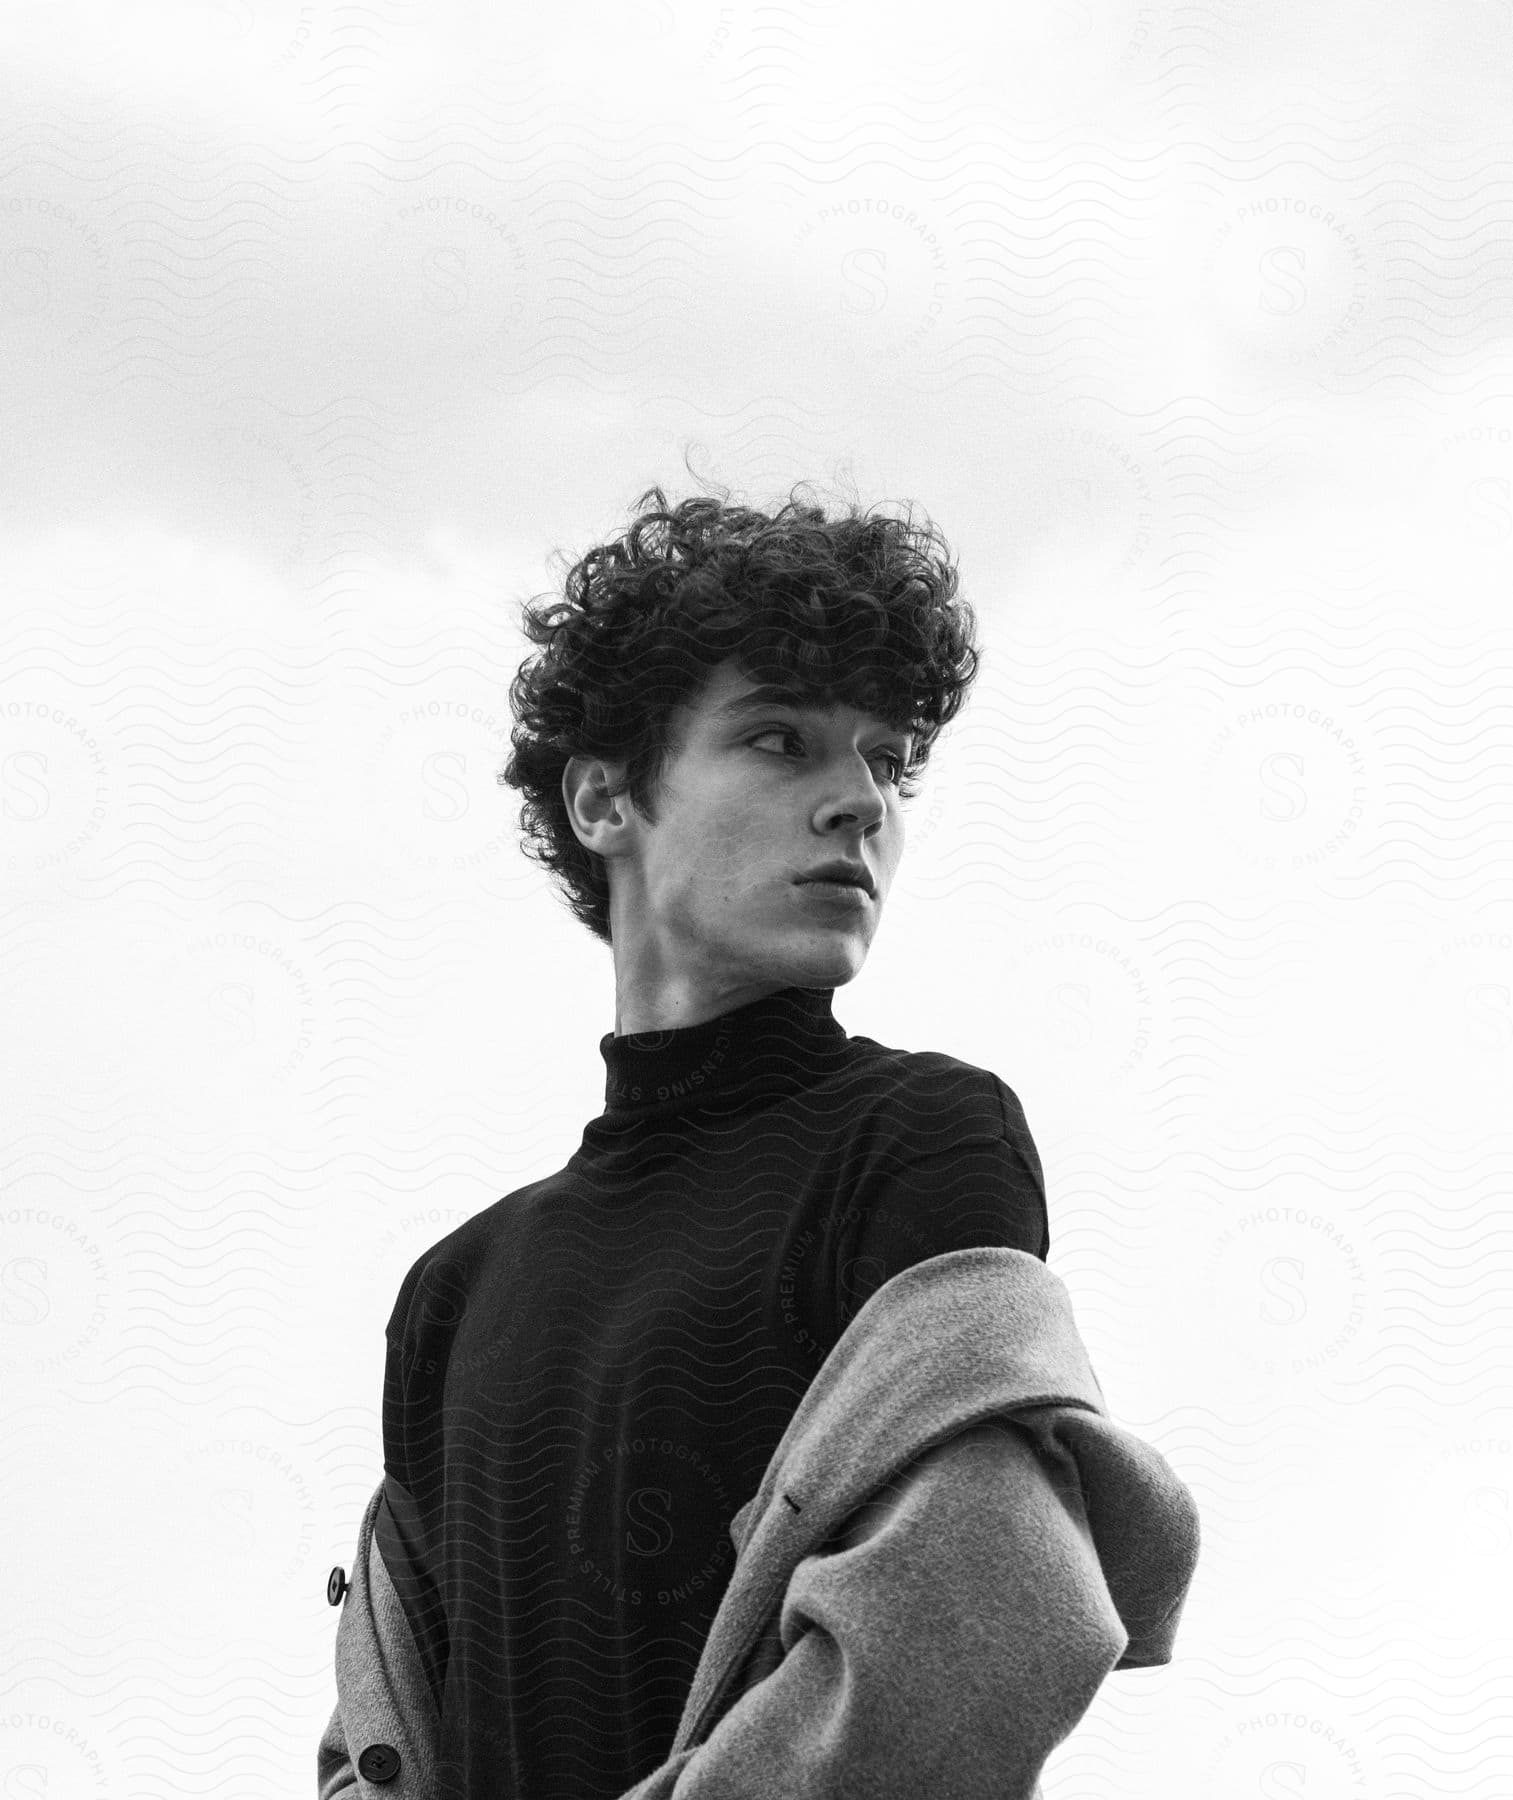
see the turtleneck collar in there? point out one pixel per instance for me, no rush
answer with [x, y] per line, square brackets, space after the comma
[785, 1040]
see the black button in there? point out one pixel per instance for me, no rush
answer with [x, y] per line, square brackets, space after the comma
[379, 1762]
[337, 1585]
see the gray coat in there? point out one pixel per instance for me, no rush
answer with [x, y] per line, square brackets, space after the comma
[952, 1546]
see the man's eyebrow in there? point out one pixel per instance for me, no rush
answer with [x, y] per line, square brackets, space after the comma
[771, 696]
[760, 697]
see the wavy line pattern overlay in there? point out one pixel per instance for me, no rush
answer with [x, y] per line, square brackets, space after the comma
[321, 326]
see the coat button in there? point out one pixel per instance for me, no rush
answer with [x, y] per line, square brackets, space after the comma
[379, 1762]
[337, 1585]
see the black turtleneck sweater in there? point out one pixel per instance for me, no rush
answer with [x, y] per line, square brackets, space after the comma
[588, 1379]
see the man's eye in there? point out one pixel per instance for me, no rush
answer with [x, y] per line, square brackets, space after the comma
[900, 763]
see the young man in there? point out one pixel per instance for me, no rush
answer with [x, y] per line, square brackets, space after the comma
[755, 1452]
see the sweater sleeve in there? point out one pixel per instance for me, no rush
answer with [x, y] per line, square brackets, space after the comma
[946, 1640]
[984, 1190]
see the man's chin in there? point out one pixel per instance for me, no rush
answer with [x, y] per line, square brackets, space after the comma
[829, 962]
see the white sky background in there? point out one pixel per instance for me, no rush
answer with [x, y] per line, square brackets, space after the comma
[321, 327]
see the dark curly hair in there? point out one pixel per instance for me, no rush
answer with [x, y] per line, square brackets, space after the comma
[860, 609]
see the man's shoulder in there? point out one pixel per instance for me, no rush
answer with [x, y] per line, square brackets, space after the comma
[934, 1091]
[447, 1269]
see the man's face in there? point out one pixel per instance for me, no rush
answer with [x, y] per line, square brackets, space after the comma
[708, 905]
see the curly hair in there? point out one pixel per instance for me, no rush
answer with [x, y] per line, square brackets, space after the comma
[859, 608]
